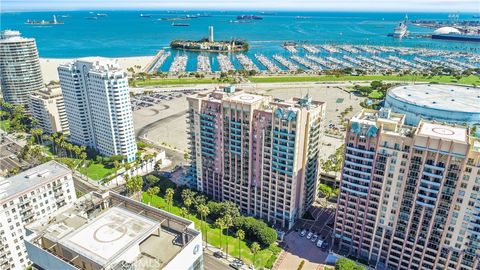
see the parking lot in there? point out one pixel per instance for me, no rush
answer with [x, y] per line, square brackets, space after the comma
[298, 247]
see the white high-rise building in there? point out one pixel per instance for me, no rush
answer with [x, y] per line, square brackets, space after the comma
[97, 102]
[210, 34]
[48, 109]
[26, 197]
[20, 72]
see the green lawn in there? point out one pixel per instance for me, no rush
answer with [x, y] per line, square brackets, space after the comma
[96, 171]
[213, 237]
[324, 78]
[5, 125]
[376, 94]
[154, 82]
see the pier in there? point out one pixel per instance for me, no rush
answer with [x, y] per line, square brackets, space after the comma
[225, 63]
[179, 64]
[285, 62]
[306, 63]
[156, 62]
[271, 67]
[246, 63]
[203, 64]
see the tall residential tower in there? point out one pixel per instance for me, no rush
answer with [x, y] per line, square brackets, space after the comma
[260, 153]
[97, 102]
[20, 73]
[410, 196]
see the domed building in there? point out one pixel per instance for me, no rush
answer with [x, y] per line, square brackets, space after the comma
[446, 31]
[438, 102]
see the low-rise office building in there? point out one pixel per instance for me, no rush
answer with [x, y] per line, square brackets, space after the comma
[110, 231]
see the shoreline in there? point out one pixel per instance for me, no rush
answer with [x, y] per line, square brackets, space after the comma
[49, 65]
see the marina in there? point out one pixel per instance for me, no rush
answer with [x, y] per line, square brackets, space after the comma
[203, 64]
[246, 63]
[327, 57]
[179, 64]
[225, 63]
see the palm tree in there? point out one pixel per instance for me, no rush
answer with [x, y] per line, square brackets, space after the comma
[183, 212]
[203, 210]
[187, 202]
[134, 185]
[228, 223]
[220, 223]
[83, 157]
[54, 142]
[37, 133]
[152, 191]
[240, 236]
[77, 150]
[255, 248]
[169, 197]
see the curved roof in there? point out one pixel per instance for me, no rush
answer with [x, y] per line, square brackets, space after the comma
[446, 30]
[445, 97]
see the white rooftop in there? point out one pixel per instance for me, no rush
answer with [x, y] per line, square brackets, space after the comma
[246, 98]
[458, 134]
[31, 179]
[109, 235]
[439, 96]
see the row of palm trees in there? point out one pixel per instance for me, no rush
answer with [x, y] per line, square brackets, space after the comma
[223, 223]
[190, 197]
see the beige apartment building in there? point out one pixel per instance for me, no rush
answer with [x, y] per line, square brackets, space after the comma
[49, 110]
[409, 196]
[259, 152]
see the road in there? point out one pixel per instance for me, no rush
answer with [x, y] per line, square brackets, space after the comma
[82, 186]
[212, 263]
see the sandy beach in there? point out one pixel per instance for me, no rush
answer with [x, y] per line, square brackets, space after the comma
[49, 65]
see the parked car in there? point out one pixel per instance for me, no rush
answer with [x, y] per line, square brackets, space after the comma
[319, 243]
[324, 246]
[314, 238]
[302, 233]
[309, 235]
[235, 265]
[218, 254]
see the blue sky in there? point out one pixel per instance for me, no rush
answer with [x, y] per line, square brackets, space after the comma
[472, 6]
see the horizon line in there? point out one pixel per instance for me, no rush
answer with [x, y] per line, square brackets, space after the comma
[239, 9]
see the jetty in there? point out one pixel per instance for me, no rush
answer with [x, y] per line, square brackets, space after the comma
[225, 63]
[246, 62]
[179, 64]
[271, 67]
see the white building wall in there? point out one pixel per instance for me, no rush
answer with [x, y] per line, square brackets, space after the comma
[97, 102]
[28, 207]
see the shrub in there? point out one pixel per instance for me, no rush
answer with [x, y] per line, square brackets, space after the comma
[256, 230]
[346, 264]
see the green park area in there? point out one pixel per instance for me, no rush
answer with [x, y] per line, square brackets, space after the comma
[264, 256]
[471, 80]
[5, 125]
[170, 81]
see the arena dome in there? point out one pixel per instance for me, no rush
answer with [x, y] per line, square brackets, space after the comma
[439, 102]
[446, 30]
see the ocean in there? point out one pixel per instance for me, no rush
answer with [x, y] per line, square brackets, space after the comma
[126, 33]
